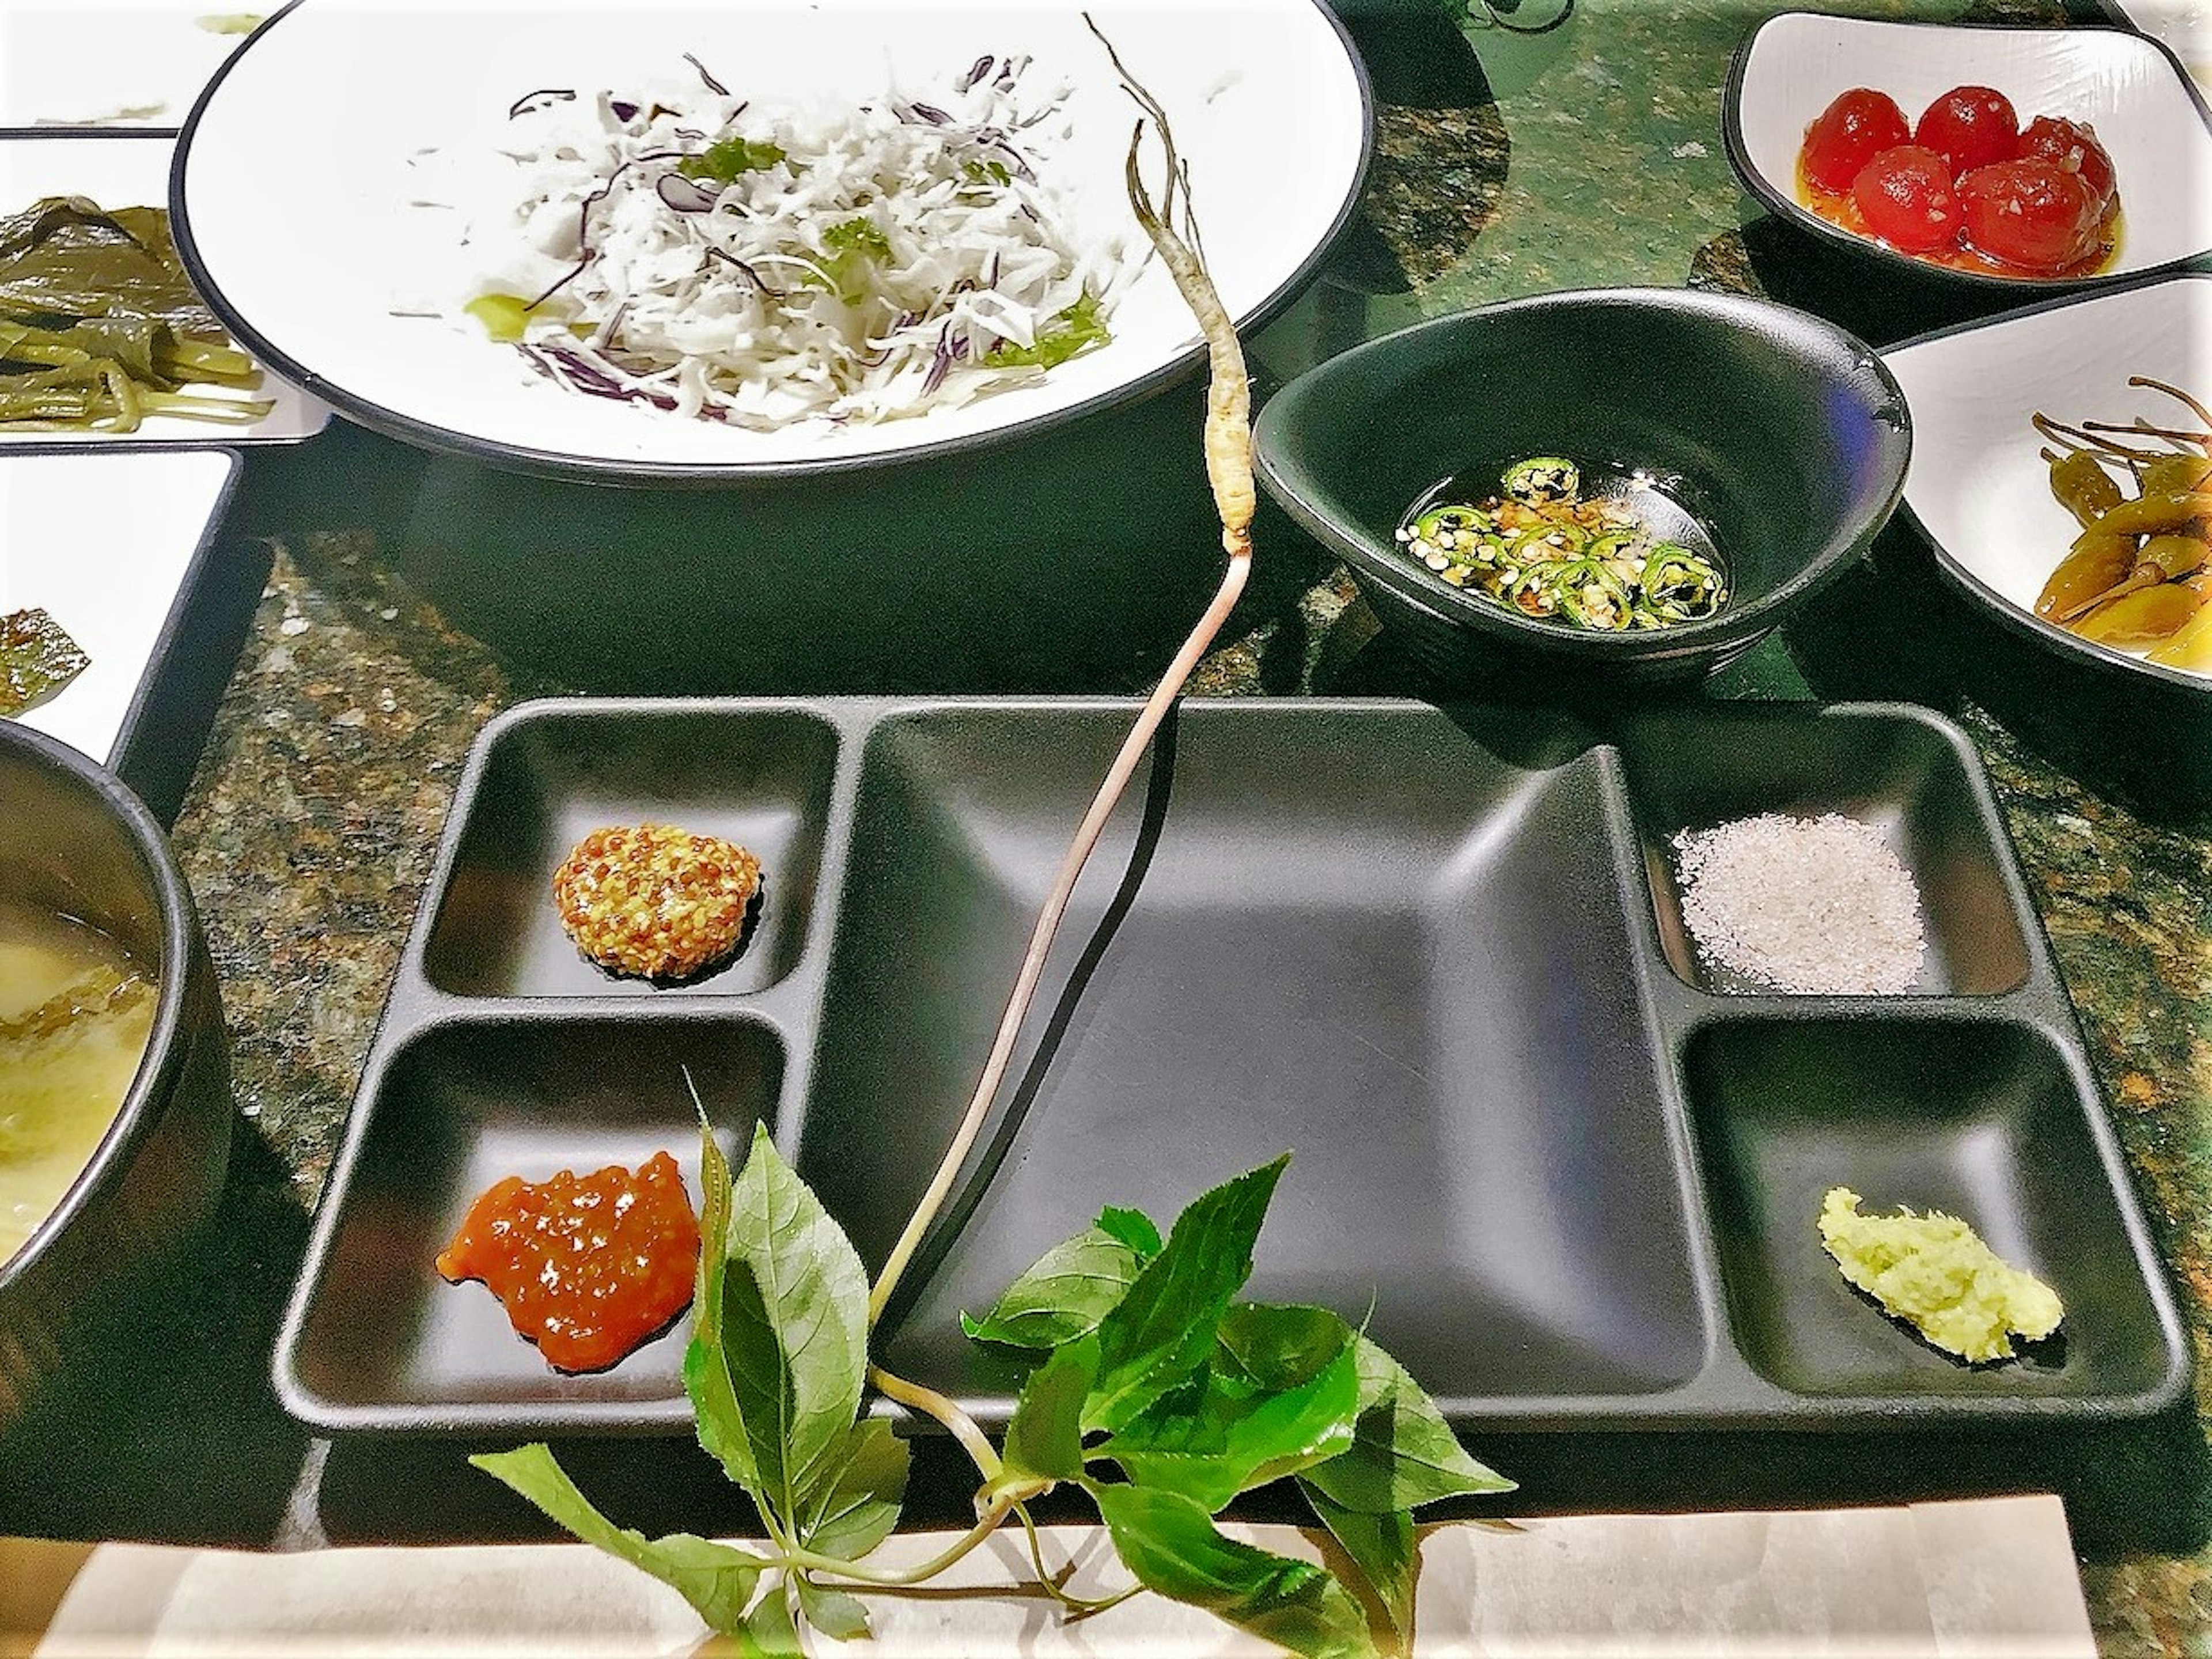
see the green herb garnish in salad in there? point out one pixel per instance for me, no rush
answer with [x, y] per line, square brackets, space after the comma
[1077, 328]
[723, 160]
[855, 246]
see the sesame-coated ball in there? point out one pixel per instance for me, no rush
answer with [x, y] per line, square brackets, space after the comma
[655, 901]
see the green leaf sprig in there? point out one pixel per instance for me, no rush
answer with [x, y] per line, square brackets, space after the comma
[1151, 1388]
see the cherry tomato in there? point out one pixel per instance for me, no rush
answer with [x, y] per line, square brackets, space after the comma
[1970, 127]
[1905, 197]
[2073, 146]
[1850, 132]
[2033, 214]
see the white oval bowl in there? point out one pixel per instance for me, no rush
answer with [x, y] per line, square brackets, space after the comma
[2128, 88]
[292, 186]
[1978, 487]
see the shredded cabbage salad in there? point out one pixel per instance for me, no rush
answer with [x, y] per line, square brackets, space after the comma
[719, 259]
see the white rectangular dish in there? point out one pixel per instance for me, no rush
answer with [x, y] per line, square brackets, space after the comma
[144, 583]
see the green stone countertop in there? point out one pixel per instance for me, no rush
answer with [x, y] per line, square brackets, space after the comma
[1505, 165]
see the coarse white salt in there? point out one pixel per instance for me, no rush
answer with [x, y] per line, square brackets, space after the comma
[1817, 906]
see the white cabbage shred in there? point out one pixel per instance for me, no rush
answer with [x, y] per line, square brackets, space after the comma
[860, 264]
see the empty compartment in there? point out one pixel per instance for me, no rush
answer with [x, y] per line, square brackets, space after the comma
[386, 1342]
[1982, 1121]
[1898, 771]
[1357, 935]
[759, 777]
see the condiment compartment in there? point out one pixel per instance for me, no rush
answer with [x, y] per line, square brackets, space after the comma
[383, 1342]
[762, 779]
[1899, 769]
[1433, 954]
[1351, 932]
[1987, 1120]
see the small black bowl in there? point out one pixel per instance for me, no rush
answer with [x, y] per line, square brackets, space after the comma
[1782, 434]
[75, 841]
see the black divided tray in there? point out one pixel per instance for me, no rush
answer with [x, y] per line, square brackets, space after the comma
[1437, 955]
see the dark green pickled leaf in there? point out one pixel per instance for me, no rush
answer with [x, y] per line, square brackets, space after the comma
[66, 258]
[1172, 1547]
[37, 659]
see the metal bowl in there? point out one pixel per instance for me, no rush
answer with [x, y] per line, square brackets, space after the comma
[74, 839]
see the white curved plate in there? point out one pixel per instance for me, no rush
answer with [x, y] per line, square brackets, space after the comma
[2125, 86]
[1977, 485]
[132, 170]
[294, 183]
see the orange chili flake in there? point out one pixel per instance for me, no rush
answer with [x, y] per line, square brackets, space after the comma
[587, 1266]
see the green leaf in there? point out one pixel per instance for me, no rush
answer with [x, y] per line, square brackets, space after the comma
[769, 1632]
[1385, 1548]
[793, 1326]
[1044, 1437]
[837, 1613]
[1163, 1328]
[1073, 1285]
[717, 1580]
[1275, 1400]
[1174, 1548]
[1133, 1228]
[1403, 1453]
[858, 1510]
[714, 1415]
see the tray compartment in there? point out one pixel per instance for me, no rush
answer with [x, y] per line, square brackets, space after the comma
[1344, 942]
[1984, 1120]
[761, 777]
[1897, 769]
[456, 1108]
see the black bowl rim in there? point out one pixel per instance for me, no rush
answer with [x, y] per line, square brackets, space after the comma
[1732, 625]
[2048, 636]
[139, 1114]
[556, 464]
[1759, 186]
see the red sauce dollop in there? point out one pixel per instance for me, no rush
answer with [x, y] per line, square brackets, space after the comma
[587, 1266]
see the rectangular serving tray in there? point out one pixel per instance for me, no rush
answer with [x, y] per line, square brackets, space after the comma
[1436, 954]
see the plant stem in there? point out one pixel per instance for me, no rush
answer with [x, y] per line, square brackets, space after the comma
[1048, 925]
[1078, 1607]
[808, 1561]
[963, 1427]
[1229, 473]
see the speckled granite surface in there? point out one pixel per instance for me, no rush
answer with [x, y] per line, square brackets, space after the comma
[1504, 166]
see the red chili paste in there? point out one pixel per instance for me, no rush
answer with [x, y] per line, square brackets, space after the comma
[587, 1266]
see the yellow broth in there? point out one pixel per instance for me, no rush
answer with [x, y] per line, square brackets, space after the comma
[76, 1010]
